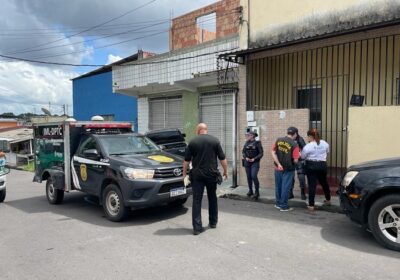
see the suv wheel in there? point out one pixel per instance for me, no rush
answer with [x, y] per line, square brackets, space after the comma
[2, 195]
[113, 204]
[384, 221]
[54, 196]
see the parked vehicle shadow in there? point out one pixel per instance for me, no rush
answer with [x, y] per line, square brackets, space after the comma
[75, 206]
[335, 228]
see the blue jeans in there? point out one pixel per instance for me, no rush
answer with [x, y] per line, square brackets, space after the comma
[252, 172]
[283, 185]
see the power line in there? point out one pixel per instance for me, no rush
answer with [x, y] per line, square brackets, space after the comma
[90, 40]
[105, 46]
[82, 27]
[126, 41]
[120, 33]
[88, 29]
[48, 62]
[144, 63]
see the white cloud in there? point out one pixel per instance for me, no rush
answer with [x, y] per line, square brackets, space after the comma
[113, 58]
[26, 88]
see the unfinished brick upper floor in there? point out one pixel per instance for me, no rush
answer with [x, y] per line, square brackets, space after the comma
[185, 32]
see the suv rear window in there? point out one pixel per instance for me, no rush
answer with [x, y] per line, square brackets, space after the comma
[164, 137]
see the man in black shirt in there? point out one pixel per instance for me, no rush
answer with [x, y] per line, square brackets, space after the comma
[203, 152]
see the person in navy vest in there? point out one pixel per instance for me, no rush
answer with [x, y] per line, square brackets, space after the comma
[252, 153]
[285, 153]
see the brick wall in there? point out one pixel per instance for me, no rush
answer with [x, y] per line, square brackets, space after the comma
[271, 127]
[204, 35]
[184, 31]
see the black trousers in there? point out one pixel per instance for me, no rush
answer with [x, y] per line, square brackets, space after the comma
[198, 191]
[317, 173]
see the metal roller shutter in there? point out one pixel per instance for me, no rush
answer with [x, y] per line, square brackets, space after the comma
[216, 110]
[165, 112]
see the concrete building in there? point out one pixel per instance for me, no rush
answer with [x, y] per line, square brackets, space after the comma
[178, 89]
[93, 95]
[17, 143]
[332, 65]
[6, 123]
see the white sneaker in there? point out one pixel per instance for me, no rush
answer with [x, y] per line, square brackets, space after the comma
[277, 207]
[286, 210]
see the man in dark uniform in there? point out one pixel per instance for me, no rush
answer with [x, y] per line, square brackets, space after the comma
[203, 151]
[252, 153]
[285, 153]
[299, 166]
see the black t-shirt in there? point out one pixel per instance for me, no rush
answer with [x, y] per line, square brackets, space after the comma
[203, 152]
[284, 148]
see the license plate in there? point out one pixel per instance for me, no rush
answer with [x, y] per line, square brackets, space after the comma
[177, 191]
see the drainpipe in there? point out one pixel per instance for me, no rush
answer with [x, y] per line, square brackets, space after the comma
[234, 135]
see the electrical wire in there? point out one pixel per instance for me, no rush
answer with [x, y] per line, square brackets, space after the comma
[88, 29]
[122, 42]
[48, 62]
[126, 65]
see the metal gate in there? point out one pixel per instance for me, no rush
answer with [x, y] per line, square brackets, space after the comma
[165, 112]
[216, 110]
[326, 80]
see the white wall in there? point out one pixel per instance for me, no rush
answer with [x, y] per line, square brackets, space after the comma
[143, 114]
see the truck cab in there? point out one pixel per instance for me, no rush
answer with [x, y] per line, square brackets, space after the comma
[124, 170]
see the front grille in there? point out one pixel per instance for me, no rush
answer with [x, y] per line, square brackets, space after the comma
[167, 172]
[167, 187]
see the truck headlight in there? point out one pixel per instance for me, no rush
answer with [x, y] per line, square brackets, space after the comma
[133, 173]
[348, 178]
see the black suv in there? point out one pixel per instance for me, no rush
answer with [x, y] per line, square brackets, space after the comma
[370, 196]
[170, 140]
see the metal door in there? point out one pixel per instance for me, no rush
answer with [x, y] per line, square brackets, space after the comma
[216, 110]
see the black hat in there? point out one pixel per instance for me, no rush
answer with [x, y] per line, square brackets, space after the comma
[252, 133]
[292, 130]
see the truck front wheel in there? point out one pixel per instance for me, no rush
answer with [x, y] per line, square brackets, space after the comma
[113, 204]
[54, 196]
[2, 195]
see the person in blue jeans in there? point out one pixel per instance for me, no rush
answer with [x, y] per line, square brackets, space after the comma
[285, 153]
[252, 153]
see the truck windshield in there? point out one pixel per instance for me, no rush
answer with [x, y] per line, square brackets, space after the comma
[122, 145]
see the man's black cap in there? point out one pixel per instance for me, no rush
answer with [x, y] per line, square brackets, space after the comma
[292, 130]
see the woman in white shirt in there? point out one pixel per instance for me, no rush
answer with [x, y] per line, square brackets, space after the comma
[315, 154]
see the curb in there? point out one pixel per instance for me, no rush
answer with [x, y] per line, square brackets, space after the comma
[295, 203]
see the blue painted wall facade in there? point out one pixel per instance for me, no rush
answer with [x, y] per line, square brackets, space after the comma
[93, 96]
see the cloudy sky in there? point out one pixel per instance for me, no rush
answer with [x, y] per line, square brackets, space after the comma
[62, 31]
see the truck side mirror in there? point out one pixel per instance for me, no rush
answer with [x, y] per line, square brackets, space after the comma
[184, 135]
[91, 153]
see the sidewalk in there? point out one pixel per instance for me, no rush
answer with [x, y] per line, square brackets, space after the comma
[267, 196]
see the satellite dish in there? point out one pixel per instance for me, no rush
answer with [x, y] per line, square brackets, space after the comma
[97, 118]
[47, 112]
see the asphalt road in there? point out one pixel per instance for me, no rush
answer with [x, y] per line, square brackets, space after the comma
[252, 241]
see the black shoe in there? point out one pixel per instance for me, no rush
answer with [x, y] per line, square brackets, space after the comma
[213, 225]
[250, 193]
[303, 195]
[198, 231]
[256, 195]
[291, 195]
